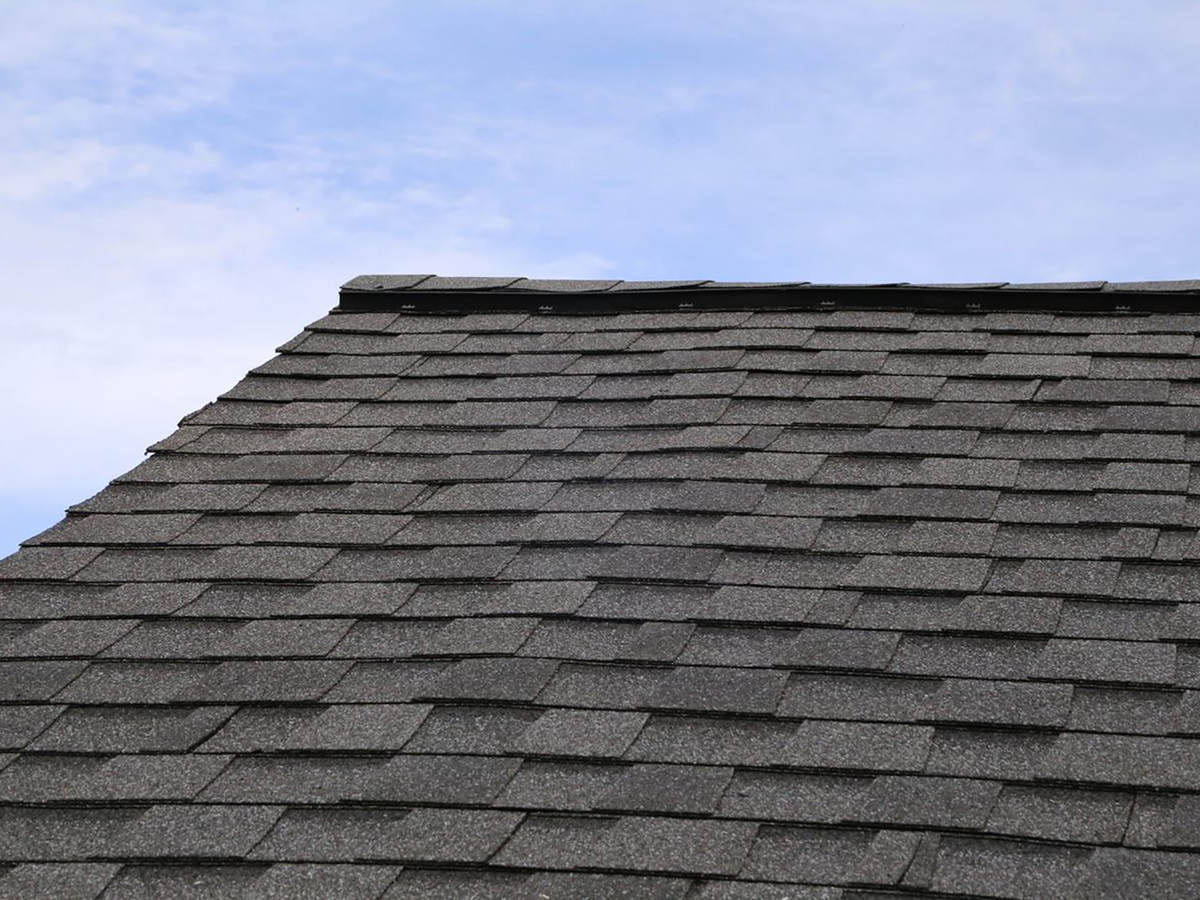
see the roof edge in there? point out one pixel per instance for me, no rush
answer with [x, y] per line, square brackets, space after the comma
[375, 293]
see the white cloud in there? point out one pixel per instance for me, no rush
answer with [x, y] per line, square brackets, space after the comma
[183, 188]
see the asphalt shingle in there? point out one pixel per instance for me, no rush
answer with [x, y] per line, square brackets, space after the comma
[661, 591]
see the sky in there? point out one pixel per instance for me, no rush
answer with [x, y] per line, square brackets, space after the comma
[184, 186]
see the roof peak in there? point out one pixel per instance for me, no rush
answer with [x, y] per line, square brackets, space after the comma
[477, 293]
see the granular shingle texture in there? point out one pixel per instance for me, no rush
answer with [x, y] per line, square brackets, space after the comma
[515, 588]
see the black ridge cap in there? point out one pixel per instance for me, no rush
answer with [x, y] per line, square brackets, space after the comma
[399, 292]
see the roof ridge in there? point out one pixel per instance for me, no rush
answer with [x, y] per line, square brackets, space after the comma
[479, 293]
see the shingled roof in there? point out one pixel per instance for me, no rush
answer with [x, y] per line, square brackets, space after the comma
[498, 588]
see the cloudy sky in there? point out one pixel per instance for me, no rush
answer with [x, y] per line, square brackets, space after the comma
[184, 186]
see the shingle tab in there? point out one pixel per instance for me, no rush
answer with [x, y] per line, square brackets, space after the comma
[452, 835]
[66, 881]
[565, 732]
[1061, 814]
[637, 843]
[857, 745]
[196, 831]
[956, 803]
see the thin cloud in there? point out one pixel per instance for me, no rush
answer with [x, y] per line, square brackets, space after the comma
[184, 188]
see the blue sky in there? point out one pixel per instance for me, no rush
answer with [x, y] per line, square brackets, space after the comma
[183, 186]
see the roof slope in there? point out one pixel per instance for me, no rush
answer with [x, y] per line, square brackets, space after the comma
[676, 603]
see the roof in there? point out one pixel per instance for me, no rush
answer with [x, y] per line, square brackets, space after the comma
[484, 591]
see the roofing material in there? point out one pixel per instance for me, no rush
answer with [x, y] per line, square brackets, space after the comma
[498, 588]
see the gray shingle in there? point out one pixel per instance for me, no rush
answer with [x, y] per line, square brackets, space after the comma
[822, 696]
[814, 501]
[443, 779]
[979, 753]
[785, 569]
[110, 729]
[975, 473]
[717, 742]
[901, 611]
[1123, 760]
[196, 830]
[560, 786]
[1149, 819]
[708, 496]
[1117, 661]
[492, 679]
[146, 528]
[865, 470]
[630, 842]
[384, 682]
[998, 613]
[660, 563]
[491, 497]
[1105, 619]
[1137, 509]
[931, 802]
[65, 881]
[292, 779]
[791, 796]
[232, 563]
[968, 657]
[1027, 365]
[936, 573]
[263, 680]
[620, 687]
[289, 881]
[988, 390]
[585, 886]
[667, 789]
[21, 724]
[579, 640]
[39, 563]
[658, 641]
[186, 882]
[36, 834]
[128, 682]
[1061, 814]
[1121, 874]
[1008, 868]
[1002, 703]
[1059, 475]
[359, 727]
[943, 503]
[756, 604]
[789, 853]
[33, 681]
[67, 637]
[1145, 476]
[448, 835]
[260, 728]
[585, 733]
[1036, 576]
[284, 637]
[719, 689]
[841, 649]
[470, 729]
[1129, 711]
[404, 564]
[860, 745]
[37, 778]
[1073, 542]
[415, 884]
